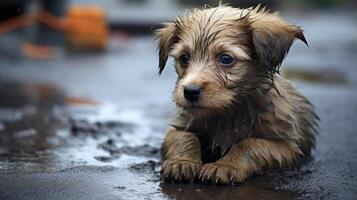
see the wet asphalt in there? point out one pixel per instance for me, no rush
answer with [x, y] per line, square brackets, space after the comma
[90, 126]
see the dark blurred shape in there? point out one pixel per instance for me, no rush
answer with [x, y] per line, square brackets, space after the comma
[42, 39]
[135, 29]
[57, 8]
[135, 1]
[46, 32]
[82, 126]
[234, 3]
[272, 4]
[17, 95]
[11, 8]
[324, 3]
[47, 35]
[317, 76]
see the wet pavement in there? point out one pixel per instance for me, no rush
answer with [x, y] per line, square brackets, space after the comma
[90, 126]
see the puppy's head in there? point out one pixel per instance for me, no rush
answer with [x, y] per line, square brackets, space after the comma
[224, 53]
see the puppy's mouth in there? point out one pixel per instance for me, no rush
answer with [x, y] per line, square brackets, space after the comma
[194, 108]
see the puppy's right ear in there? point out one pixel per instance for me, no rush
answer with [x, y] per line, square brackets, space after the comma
[272, 38]
[167, 37]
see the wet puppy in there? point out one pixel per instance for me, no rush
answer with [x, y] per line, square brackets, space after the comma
[236, 115]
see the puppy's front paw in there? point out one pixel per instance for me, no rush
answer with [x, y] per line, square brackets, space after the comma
[221, 173]
[180, 170]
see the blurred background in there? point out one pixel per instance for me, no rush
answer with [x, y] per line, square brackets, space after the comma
[81, 101]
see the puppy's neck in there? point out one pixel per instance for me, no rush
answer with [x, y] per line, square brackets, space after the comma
[229, 126]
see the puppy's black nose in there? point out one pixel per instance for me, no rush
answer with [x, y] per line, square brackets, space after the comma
[192, 92]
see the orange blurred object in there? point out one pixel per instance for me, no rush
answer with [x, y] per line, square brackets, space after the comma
[37, 51]
[77, 101]
[86, 27]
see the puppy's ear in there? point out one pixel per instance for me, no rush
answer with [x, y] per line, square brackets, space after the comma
[272, 38]
[167, 37]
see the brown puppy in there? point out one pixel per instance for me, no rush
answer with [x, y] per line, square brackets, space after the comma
[237, 116]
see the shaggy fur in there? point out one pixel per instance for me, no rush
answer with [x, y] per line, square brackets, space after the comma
[249, 118]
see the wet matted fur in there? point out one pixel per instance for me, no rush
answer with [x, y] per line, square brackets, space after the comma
[248, 118]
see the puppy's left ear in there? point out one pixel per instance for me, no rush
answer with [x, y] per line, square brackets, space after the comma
[167, 37]
[272, 39]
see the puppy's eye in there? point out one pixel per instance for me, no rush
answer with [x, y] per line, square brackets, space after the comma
[184, 59]
[226, 60]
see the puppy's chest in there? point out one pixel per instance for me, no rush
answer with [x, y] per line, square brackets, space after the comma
[222, 133]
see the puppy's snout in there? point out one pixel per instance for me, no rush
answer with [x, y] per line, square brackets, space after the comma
[192, 92]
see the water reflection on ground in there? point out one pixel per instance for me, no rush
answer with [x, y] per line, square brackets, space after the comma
[96, 123]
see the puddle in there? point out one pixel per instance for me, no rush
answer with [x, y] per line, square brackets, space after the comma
[50, 134]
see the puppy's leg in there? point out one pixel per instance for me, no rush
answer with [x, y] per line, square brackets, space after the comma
[252, 155]
[181, 156]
